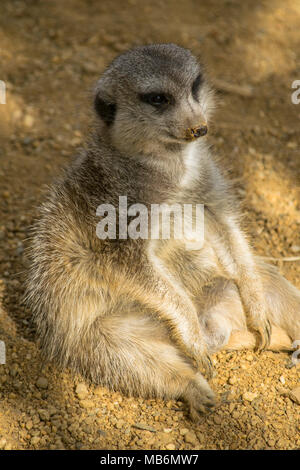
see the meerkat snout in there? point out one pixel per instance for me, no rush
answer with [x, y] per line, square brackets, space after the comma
[196, 132]
[153, 96]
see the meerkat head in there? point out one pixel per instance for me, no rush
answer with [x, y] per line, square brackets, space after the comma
[154, 96]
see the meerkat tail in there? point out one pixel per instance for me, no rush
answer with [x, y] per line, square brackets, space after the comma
[282, 298]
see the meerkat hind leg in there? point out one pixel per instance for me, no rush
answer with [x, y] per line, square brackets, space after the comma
[133, 353]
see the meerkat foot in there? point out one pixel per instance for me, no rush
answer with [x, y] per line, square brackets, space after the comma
[199, 397]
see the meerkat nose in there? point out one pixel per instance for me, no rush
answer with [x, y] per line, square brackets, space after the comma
[199, 131]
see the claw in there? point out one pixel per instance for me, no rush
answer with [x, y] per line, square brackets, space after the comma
[264, 336]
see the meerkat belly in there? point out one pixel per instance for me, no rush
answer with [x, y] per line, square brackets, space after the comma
[192, 267]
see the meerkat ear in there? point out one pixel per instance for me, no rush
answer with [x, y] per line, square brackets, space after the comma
[104, 104]
[105, 110]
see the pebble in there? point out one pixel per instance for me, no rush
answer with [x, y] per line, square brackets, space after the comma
[183, 431]
[28, 120]
[170, 446]
[292, 145]
[191, 438]
[163, 439]
[231, 407]
[81, 391]
[42, 382]
[87, 403]
[217, 419]
[249, 396]
[34, 441]
[29, 424]
[120, 424]
[2, 443]
[295, 395]
[44, 414]
[249, 357]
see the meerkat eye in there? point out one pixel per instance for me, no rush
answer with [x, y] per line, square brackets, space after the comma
[196, 85]
[155, 99]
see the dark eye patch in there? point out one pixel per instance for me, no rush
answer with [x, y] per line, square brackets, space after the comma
[158, 100]
[196, 85]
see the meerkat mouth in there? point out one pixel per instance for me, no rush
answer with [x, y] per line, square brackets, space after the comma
[191, 134]
[183, 140]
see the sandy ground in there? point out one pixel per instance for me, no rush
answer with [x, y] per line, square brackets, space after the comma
[51, 54]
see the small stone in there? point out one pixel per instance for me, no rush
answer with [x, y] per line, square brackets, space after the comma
[44, 415]
[231, 407]
[42, 382]
[162, 439]
[81, 391]
[34, 441]
[282, 380]
[59, 445]
[249, 396]
[292, 145]
[183, 431]
[295, 248]
[29, 424]
[295, 395]
[170, 446]
[191, 438]
[120, 424]
[232, 380]
[217, 419]
[249, 357]
[2, 443]
[86, 404]
[28, 120]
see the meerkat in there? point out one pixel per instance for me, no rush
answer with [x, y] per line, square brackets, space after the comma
[143, 315]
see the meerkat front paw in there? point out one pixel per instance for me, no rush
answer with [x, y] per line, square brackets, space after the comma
[199, 397]
[207, 365]
[201, 359]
